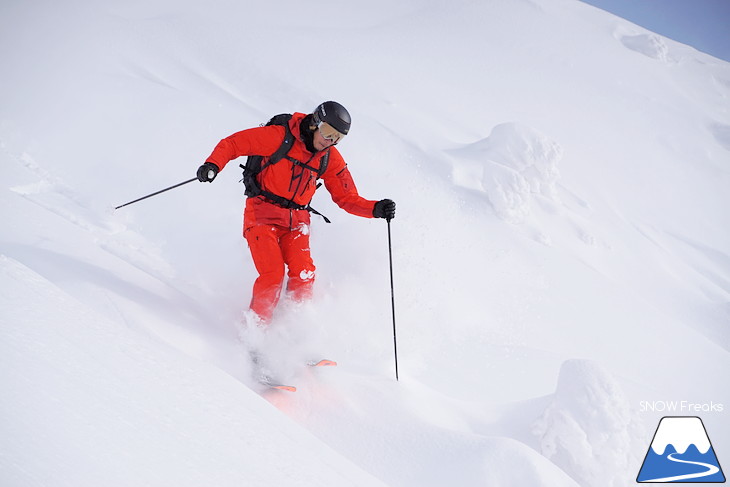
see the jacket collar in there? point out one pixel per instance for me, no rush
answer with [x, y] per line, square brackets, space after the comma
[295, 125]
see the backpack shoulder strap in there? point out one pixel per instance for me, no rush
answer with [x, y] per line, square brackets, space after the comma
[254, 164]
[323, 163]
[288, 141]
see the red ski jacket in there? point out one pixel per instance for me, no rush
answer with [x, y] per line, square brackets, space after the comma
[288, 180]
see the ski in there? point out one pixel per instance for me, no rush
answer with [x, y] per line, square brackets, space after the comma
[261, 376]
[274, 385]
[322, 363]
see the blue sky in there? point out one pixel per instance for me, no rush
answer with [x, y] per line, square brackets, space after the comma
[702, 24]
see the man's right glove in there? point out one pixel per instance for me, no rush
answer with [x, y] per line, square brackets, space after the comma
[384, 209]
[207, 172]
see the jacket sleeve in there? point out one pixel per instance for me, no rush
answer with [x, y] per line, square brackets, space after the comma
[339, 183]
[261, 141]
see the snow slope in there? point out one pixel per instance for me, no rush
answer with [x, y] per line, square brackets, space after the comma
[87, 402]
[561, 246]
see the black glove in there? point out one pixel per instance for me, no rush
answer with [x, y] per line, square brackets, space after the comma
[207, 172]
[384, 209]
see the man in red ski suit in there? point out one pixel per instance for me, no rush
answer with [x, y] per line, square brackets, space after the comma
[276, 221]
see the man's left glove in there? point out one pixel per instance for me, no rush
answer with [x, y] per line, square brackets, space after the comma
[207, 172]
[384, 209]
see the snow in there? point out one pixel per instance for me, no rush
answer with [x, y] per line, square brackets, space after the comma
[561, 246]
[513, 163]
[588, 429]
[93, 403]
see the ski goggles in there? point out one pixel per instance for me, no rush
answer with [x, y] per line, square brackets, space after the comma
[329, 133]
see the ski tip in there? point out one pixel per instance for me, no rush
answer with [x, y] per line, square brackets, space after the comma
[283, 387]
[271, 384]
[323, 363]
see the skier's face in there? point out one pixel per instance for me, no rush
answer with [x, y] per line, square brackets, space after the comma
[320, 143]
[326, 135]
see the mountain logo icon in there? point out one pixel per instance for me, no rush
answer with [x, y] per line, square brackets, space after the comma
[681, 452]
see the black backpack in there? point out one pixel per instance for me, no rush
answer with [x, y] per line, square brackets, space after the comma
[254, 165]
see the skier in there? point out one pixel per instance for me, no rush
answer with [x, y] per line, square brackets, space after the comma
[276, 219]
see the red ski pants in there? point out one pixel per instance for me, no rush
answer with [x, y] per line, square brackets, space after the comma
[273, 248]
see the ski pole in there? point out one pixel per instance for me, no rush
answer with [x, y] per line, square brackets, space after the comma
[392, 299]
[158, 192]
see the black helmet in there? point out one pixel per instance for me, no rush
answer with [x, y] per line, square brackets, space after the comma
[334, 114]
